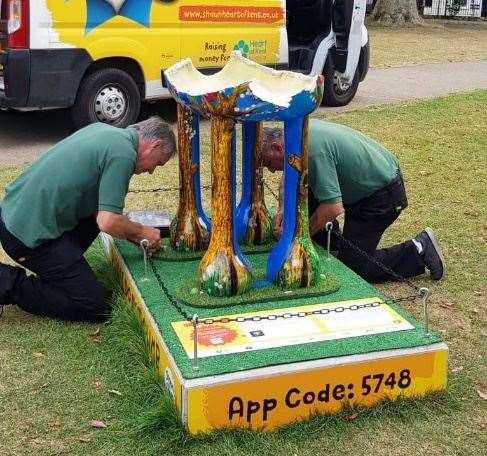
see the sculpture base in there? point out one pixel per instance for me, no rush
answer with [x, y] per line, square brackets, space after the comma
[262, 291]
[167, 253]
[269, 364]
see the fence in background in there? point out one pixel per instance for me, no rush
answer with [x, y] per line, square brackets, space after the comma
[446, 8]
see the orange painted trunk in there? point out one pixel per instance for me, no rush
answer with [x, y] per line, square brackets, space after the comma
[259, 229]
[221, 272]
[187, 232]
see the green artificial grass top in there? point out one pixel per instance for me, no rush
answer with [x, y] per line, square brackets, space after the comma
[189, 293]
[351, 287]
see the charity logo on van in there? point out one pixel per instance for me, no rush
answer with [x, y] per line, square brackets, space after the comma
[100, 11]
[252, 47]
[218, 53]
[243, 47]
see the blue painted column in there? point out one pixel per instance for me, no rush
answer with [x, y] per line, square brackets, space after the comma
[236, 221]
[195, 157]
[293, 131]
[296, 262]
[243, 208]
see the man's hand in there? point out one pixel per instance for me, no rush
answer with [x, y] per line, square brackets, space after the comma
[277, 225]
[153, 235]
[121, 227]
[324, 213]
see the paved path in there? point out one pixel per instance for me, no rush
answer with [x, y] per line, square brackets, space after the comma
[391, 85]
[23, 136]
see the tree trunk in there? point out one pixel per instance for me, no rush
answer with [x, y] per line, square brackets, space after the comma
[396, 12]
[259, 230]
[221, 272]
[302, 267]
[187, 231]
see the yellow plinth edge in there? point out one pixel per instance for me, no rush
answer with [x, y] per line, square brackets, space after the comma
[269, 397]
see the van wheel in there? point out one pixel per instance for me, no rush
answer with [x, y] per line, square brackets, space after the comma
[108, 95]
[336, 92]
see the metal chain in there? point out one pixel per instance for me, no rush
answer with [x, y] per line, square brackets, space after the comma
[287, 315]
[176, 304]
[204, 187]
[153, 190]
[379, 264]
[161, 189]
[254, 318]
[373, 260]
[208, 321]
[272, 192]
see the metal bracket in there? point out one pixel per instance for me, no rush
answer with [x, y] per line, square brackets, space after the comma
[328, 228]
[144, 245]
[423, 294]
[194, 321]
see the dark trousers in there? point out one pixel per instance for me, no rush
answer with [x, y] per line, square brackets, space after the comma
[64, 287]
[364, 225]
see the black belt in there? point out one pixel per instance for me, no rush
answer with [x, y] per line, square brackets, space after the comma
[393, 188]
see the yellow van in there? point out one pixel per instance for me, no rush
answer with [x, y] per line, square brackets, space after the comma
[102, 58]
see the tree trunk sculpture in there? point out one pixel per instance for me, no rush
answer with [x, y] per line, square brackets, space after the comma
[187, 231]
[259, 228]
[248, 92]
[221, 271]
[302, 266]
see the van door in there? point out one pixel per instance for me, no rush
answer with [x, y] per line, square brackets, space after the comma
[348, 18]
[143, 31]
[210, 31]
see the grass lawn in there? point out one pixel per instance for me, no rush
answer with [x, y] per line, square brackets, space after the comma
[429, 43]
[55, 378]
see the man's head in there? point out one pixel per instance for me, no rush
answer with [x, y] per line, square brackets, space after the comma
[273, 149]
[157, 144]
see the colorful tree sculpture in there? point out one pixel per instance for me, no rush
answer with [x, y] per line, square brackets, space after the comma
[250, 93]
[189, 229]
[253, 221]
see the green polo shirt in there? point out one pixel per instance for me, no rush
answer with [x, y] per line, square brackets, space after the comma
[345, 165]
[86, 172]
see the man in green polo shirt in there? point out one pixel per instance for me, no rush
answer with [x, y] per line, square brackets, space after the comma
[55, 209]
[352, 174]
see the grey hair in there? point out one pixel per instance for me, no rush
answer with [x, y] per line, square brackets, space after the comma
[272, 134]
[153, 129]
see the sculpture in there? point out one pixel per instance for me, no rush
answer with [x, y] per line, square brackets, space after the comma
[246, 92]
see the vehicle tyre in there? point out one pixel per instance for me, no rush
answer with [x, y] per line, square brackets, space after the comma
[335, 94]
[107, 95]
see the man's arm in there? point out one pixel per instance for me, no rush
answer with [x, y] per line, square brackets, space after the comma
[324, 213]
[121, 227]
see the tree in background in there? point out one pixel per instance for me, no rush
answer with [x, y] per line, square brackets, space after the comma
[396, 12]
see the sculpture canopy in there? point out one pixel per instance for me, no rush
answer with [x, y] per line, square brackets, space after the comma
[263, 93]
